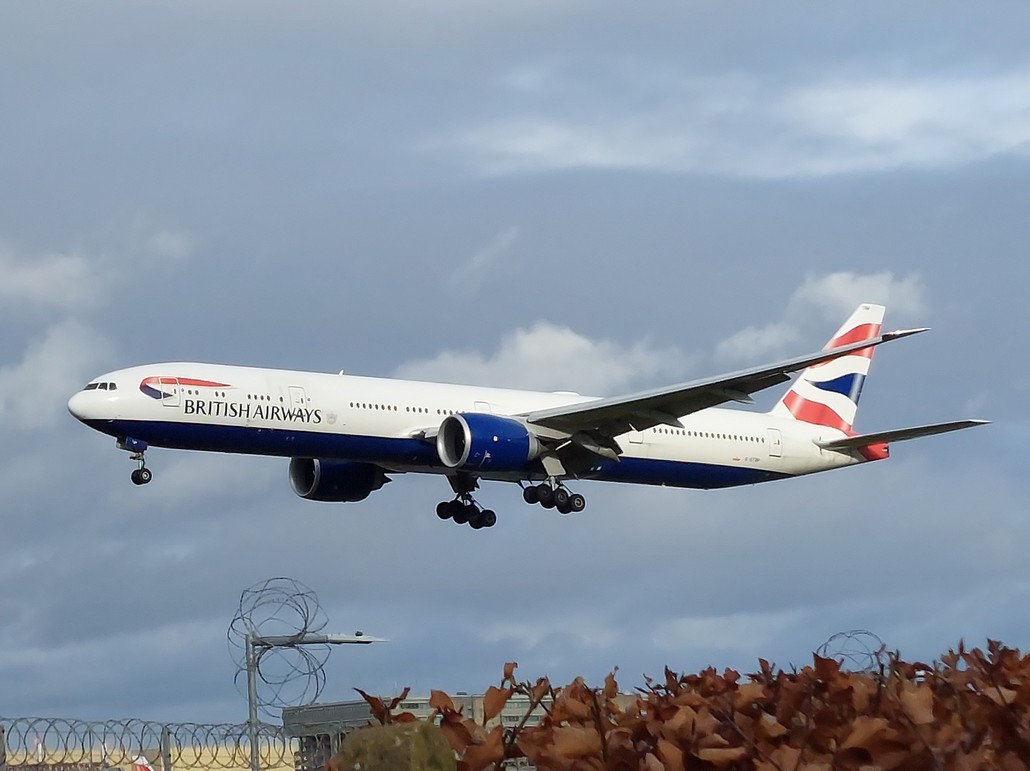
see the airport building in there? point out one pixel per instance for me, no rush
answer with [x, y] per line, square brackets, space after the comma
[320, 728]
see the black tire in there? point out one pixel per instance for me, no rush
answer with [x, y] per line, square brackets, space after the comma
[135, 477]
[545, 496]
[461, 513]
[476, 521]
[145, 475]
[563, 508]
[561, 498]
[577, 502]
[531, 494]
[443, 510]
[488, 518]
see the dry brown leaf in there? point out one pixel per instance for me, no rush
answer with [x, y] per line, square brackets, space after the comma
[826, 669]
[456, 734]
[493, 702]
[509, 670]
[721, 757]
[490, 750]
[769, 727]
[1001, 696]
[748, 694]
[376, 706]
[917, 701]
[785, 757]
[440, 701]
[863, 731]
[575, 741]
[652, 763]
[670, 755]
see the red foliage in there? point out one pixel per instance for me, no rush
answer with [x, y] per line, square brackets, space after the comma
[971, 710]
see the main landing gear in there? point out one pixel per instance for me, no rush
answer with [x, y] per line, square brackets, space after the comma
[141, 475]
[553, 495]
[464, 509]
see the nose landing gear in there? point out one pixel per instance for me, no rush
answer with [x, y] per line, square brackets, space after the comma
[553, 495]
[138, 448]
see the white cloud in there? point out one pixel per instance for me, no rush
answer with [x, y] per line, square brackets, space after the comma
[172, 244]
[65, 282]
[752, 343]
[825, 300]
[33, 392]
[750, 128]
[492, 257]
[76, 282]
[745, 632]
[529, 634]
[550, 357]
[836, 294]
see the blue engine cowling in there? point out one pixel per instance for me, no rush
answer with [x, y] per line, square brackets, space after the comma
[337, 481]
[483, 442]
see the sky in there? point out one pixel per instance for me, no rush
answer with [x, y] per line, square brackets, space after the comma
[597, 197]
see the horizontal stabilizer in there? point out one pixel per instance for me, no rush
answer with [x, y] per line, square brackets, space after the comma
[898, 434]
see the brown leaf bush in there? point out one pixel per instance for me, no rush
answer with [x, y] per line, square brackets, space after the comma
[970, 710]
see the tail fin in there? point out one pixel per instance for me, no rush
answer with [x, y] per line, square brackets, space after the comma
[827, 394]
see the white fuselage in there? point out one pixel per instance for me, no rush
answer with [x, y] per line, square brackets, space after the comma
[391, 423]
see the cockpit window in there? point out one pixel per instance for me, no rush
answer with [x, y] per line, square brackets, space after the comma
[112, 386]
[91, 387]
[103, 386]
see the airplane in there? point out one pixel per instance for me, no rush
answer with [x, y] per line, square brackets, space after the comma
[346, 435]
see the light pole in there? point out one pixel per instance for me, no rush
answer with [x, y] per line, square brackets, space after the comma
[255, 643]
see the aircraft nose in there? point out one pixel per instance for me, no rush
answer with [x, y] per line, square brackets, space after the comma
[77, 405]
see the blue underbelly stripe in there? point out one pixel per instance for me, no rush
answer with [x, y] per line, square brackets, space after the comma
[401, 451]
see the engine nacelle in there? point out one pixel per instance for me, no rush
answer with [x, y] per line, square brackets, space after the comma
[485, 442]
[337, 481]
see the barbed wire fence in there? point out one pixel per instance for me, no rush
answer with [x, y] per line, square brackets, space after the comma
[280, 652]
[33, 743]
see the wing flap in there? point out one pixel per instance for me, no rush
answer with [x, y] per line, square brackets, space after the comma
[898, 434]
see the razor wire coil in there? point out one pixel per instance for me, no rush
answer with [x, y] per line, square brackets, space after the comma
[46, 743]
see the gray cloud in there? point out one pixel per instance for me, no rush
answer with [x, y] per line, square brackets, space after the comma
[746, 127]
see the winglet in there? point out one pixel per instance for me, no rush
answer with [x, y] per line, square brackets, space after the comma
[900, 333]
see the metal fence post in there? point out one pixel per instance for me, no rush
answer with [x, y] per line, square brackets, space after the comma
[166, 748]
[3, 749]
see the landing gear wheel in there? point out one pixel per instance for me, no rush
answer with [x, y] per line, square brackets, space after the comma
[531, 494]
[461, 513]
[563, 508]
[141, 476]
[545, 496]
[577, 502]
[488, 518]
[561, 498]
[443, 510]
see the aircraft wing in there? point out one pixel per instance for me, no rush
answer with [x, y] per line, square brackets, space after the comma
[898, 434]
[663, 406]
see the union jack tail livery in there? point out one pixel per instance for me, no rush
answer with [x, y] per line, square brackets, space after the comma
[827, 394]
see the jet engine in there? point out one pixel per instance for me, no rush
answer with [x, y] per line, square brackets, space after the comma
[485, 443]
[337, 481]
